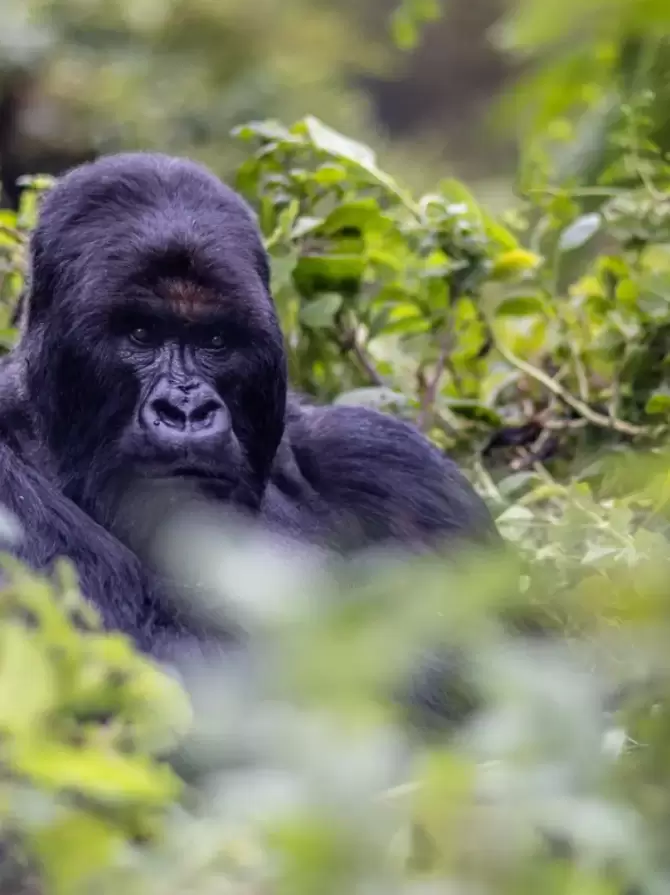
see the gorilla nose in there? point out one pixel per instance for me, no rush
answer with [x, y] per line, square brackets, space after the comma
[187, 415]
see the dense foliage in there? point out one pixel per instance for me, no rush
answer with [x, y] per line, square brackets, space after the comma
[534, 348]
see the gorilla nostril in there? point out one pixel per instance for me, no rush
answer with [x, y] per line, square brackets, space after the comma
[205, 412]
[167, 413]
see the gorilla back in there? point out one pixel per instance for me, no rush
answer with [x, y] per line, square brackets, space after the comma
[150, 355]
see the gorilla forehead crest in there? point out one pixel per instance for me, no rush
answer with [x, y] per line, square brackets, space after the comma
[130, 211]
[189, 299]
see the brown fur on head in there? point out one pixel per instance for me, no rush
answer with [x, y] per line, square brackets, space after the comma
[188, 299]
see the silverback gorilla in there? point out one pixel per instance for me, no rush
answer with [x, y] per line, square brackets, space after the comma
[150, 351]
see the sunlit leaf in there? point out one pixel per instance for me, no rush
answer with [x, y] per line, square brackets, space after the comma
[580, 232]
[521, 305]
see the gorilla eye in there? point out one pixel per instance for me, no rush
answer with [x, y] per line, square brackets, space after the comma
[141, 335]
[216, 341]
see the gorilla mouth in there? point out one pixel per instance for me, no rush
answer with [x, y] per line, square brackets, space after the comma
[196, 481]
[188, 472]
[197, 476]
[194, 474]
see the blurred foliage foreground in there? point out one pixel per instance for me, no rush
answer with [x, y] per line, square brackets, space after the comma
[532, 347]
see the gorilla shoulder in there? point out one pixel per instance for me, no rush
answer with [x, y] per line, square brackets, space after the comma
[381, 478]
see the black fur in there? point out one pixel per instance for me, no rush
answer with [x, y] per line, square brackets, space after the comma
[113, 239]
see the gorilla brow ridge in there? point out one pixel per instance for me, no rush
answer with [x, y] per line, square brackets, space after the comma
[188, 299]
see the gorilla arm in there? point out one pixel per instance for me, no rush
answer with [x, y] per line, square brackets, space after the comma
[52, 526]
[383, 481]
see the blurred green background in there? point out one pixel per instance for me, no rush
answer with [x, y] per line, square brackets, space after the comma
[83, 76]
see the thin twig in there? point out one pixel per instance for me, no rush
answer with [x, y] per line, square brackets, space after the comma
[577, 192]
[430, 394]
[366, 363]
[598, 419]
[348, 342]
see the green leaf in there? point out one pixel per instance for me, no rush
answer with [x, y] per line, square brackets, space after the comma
[515, 482]
[521, 306]
[319, 314]
[427, 10]
[473, 410]
[327, 272]
[7, 219]
[282, 268]
[330, 174]
[499, 234]
[579, 232]
[459, 194]
[409, 324]
[266, 130]
[378, 322]
[305, 225]
[658, 403]
[27, 684]
[373, 396]
[328, 140]
[407, 18]
[106, 776]
[358, 214]
[404, 30]
[37, 182]
[73, 849]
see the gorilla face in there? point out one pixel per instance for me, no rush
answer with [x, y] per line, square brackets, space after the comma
[187, 359]
[164, 351]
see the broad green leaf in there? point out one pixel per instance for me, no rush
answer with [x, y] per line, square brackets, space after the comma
[9, 239]
[267, 130]
[305, 225]
[498, 233]
[377, 322]
[320, 312]
[75, 848]
[426, 10]
[416, 322]
[579, 232]
[458, 193]
[106, 776]
[516, 513]
[658, 403]
[287, 217]
[473, 410]
[358, 214]
[515, 262]
[326, 272]
[515, 482]
[373, 396]
[404, 30]
[627, 291]
[282, 270]
[329, 174]
[36, 182]
[521, 306]
[328, 140]
[27, 681]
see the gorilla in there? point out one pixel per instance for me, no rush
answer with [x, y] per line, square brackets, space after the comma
[150, 353]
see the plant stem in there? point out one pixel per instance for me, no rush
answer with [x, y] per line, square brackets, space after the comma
[580, 407]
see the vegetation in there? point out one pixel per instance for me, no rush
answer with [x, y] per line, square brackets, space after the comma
[533, 346]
